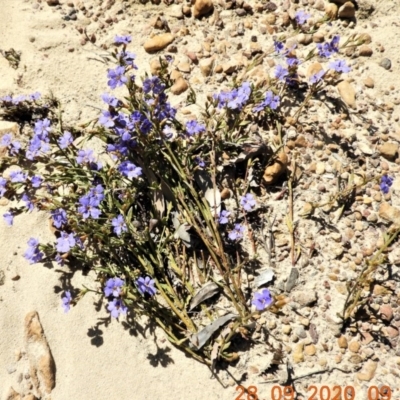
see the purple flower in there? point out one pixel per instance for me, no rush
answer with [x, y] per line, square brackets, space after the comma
[116, 308]
[15, 148]
[59, 259]
[281, 73]
[17, 176]
[128, 58]
[6, 139]
[65, 242]
[223, 217]
[292, 61]
[36, 181]
[302, 17]
[33, 254]
[235, 99]
[146, 285]
[270, 101]
[28, 204]
[8, 217]
[113, 287]
[34, 96]
[237, 232]
[327, 49]
[130, 170]
[42, 129]
[339, 66]
[66, 301]
[122, 39]
[107, 119]
[200, 162]
[116, 77]
[317, 77]
[59, 217]
[85, 156]
[88, 207]
[110, 100]
[153, 84]
[386, 183]
[65, 140]
[194, 128]
[248, 202]
[3, 183]
[262, 300]
[278, 46]
[119, 225]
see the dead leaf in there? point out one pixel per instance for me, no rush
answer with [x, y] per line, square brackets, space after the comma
[211, 194]
[264, 277]
[207, 291]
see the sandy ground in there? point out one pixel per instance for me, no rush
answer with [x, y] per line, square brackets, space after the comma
[94, 361]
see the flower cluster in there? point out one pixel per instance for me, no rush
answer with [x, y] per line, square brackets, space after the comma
[272, 101]
[90, 202]
[386, 183]
[21, 98]
[116, 305]
[236, 99]
[33, 253]
[39, 144]
[327, 49]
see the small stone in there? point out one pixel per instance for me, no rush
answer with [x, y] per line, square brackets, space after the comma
[386, 312]
[347, 10]
[320, 168]
[323, 362]
[298, 355]
[310, 350]
[230, 67]
[202, 7]
[155, 66]
[206, 66]
[313, 69]
[304, 39]
[300, 332]
[355, 359]
[347, 93]
[272, 172]
[305, 298]
[368, 371]
[158, 42]
[12, 395]
[318, 37]
[286, 329]
[342, 342]
[392, 332]
[390, 214]
[386, 63]
[365, 51]
[354, 346]
[53, 2]
[331, 10]
[179, 86]
[184, 67]
[369, 83]
[389, 150]
[366, 338]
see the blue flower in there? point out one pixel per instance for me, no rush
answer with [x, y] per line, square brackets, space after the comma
[153, 84]
[146, 285]
[122, 39]
[301, 17]
[116, 308]
[6, 139]
[327, 49]
[33, 254]
[65, 140]
[34, 96]
[270, 101]
[42, 129]
[223, 217]
[235, 99]
[262, 300]
[3, 183]
[278, 46]
[339, 66]
[237, 232]
[116, 77]
[8, 217]
[18, 176]
[317, 77]
[113, 287]
[66, 301]
[119, 225]
[128, 58]
[386, 183]
[36, 181]
[28, 202]
[65, 242]
[107, 119]
[281, 73]
[130, 170]
[194, 128]
[85, 156]
[110, 100]
[248, 202]
[88, 207]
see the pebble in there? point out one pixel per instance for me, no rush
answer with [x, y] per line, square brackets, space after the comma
[347, 10]
[286, 329]
[365, 51]
[354, 346]
[386, 312]
[347, 93]
[310, 350]
[53, 2]
[386, 63]
[369, 83]
[158, 42]
[331, 10]
[320, 168]
[202, 7]
[179, 86]
[389, 150]
[342, 342]
[298, 355]
[305, 298]
[300, 332]
[368, 371]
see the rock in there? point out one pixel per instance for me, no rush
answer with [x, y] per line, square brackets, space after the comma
[53, 2]
[42, 366]
[390, 214]
[331, 10]
[206, 66]
[369, 83]
[354, 347]
[347, 93]
[310, 350]
[272, 172]
[386, 312]
[342, 342]
[365, 148]
[386, 63]
[389, 150]
[230, 67]
[368, 371]
[367, 338]
[313, 69]
[155, 66]
[365, 51]
[347, 10]
[158, 42]
[179, 86]
[298, 355]
[305, 298]
[286, 329]
[8, 127]
[320, 168]
[202, 7]
[184, 66]
[355, 359]
[392, 332]
[304, 39]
